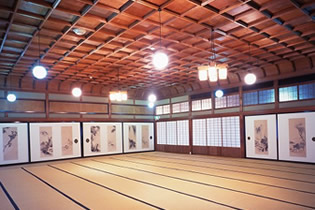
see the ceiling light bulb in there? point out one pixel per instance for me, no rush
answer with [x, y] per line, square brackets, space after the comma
[219, 93]
[76, 92]
[39, 72]
[250, 78]
[11, 97]
[79, 31]
[151, 105]
[160, 60]
[152, 98]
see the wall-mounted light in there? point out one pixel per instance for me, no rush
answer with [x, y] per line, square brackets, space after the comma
[11, 97]
[152, 98]
[76, 92]
[219, 93]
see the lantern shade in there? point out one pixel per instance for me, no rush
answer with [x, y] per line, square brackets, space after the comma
[11, 97]
[76, 92]
[160, 60]
[203, 73]
[222, 71]
[213, 74]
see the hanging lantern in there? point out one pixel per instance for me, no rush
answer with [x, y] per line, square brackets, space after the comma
[203, 73]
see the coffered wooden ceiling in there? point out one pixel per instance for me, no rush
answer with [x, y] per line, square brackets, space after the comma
[124, 34]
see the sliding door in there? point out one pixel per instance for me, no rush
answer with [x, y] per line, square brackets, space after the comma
[261, 136]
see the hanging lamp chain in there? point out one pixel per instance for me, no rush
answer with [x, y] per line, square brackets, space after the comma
[160, 27]
[38, 46]
[212, 45]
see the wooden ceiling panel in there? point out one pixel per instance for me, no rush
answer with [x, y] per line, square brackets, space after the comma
[125, 34]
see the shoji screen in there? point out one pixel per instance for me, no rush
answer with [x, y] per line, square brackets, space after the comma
[173, 132]
[218, 132]
[231, 132]
[199, 132]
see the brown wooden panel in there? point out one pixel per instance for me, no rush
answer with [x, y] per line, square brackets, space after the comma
[205, 150]
[232, 152]
[77, 107]
[22, 106]
[173, 148]
[125, 109]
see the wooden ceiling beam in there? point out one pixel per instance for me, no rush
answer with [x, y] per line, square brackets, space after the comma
[300, 7]
[276, 19]
[48, 14]
[12, 16]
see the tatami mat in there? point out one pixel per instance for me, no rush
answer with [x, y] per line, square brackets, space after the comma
[156, 180]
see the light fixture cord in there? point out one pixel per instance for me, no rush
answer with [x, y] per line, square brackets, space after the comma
[38, 46]
[118, 79]
[160, 27]
[212, 45]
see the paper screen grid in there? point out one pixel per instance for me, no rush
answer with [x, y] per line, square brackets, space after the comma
[288, 93]
[161, 132]
[176, 108]
[307, 91]
[220, 102]
[206, 103]
[184, 107]
[171, 133]
[199, 132]
[196, 105]
[159, 110]
[214, 137]
[233, 100]
[266, 96]
[182, 132]
[250, 98]
[231, 132]
[166, 109]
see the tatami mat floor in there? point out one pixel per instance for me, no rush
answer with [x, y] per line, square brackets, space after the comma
[156, 180]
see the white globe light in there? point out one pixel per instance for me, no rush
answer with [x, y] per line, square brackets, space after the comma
[76, 92]
[11, 97]
[219, 93]
[250, 78]
[39, 72]
[152, 98]
[160, 60]
[151, 105]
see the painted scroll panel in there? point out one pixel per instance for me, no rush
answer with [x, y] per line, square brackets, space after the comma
[145, 136]
[46, 142]
[261, 137]
[95, 139]
[111, 138]
[297, 137]
[132, 136]
[66, 140]
[10, 143]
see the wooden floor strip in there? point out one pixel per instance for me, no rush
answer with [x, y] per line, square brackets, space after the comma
[294, 198]
[245, 165]
[253, 171]
[190, 170]
[91, 194]
[217, 193]
[6, 200]
[281, 164]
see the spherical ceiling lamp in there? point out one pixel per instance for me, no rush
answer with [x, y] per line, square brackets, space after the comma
[250, 78]
[76, 92]
[219, 93]
[39, 72]
[151, 105]
[152, 98]
[160, 60]
[11, 97]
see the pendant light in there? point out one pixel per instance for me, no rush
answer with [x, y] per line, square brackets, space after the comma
[160, 59]
[118, 95]
[11, 97]
[250, 78]
[39, 71]
[213, 71]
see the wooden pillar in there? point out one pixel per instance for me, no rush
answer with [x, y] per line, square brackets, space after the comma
[276, 87]
[190, 126]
